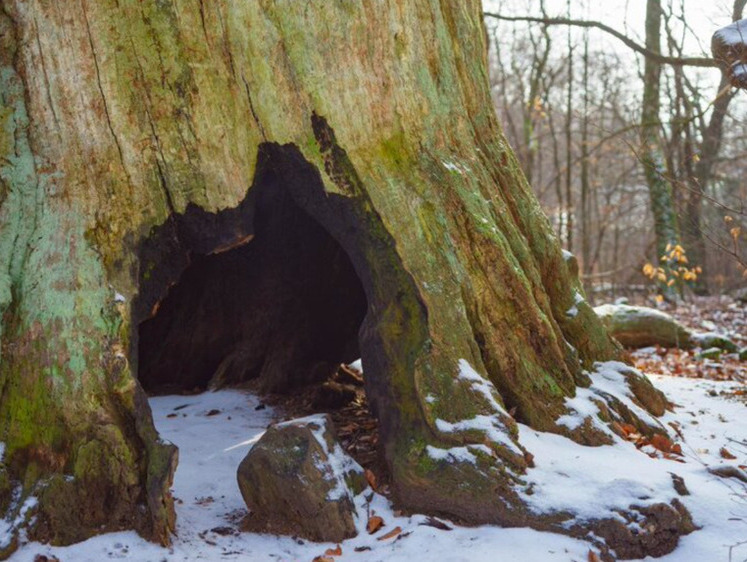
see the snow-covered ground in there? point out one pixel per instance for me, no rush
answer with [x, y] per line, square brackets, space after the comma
[209, 505]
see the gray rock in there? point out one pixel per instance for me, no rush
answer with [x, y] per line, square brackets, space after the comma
[297, 480]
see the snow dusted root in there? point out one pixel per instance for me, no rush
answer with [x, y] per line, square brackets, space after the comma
[510, 470]
[618, 394]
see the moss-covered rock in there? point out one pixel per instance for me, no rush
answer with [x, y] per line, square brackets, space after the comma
[640, 326]
[297, 480]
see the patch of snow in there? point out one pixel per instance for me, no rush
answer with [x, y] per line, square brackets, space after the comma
[481, 385]
[119, 297]
[589, 480]
[578, 298]
[607, 379]
[357, 364]
[457, 454]
[7, 525]
[493, 428]
[734, 34]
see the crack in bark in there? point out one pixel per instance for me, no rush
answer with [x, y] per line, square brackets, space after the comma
[202, 19]
[44, 72]
[251, 108]
[103, 96]
[226, 46]
[161, 174]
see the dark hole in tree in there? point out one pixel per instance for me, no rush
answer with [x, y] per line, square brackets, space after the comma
[263, 292]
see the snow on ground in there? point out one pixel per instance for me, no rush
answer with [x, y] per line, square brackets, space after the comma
[592, 479]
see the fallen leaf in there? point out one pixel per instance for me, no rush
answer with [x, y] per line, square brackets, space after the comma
[725, 454]
[323, 559]
[628, 429]
[662, 443]
[374, 524]
[393, 533]
[334, 551]
[677, 449]
[593, 557]
[370, 478]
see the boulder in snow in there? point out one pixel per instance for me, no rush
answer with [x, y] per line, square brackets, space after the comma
[639, 326]
[297, 480]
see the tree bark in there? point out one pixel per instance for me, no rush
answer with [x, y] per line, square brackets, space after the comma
[660, 190]
[136, 137]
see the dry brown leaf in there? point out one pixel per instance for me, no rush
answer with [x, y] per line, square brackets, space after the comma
[323, 559]
[593, 557]
[677, 449]
[628, 429]
[725, 454]
[370, 478]
[334, 551]
[393, 533]
[374, 524]
[662, 443]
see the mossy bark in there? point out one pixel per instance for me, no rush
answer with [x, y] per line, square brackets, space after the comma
[666, 228]
[119, 116]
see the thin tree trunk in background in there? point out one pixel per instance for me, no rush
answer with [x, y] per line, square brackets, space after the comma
[660, 189]
[558, 181]
[585, 187]
[568, 151]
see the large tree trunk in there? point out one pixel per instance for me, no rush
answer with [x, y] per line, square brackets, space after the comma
[142, 141]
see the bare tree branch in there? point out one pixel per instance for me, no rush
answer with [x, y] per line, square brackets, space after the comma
[656, 57]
